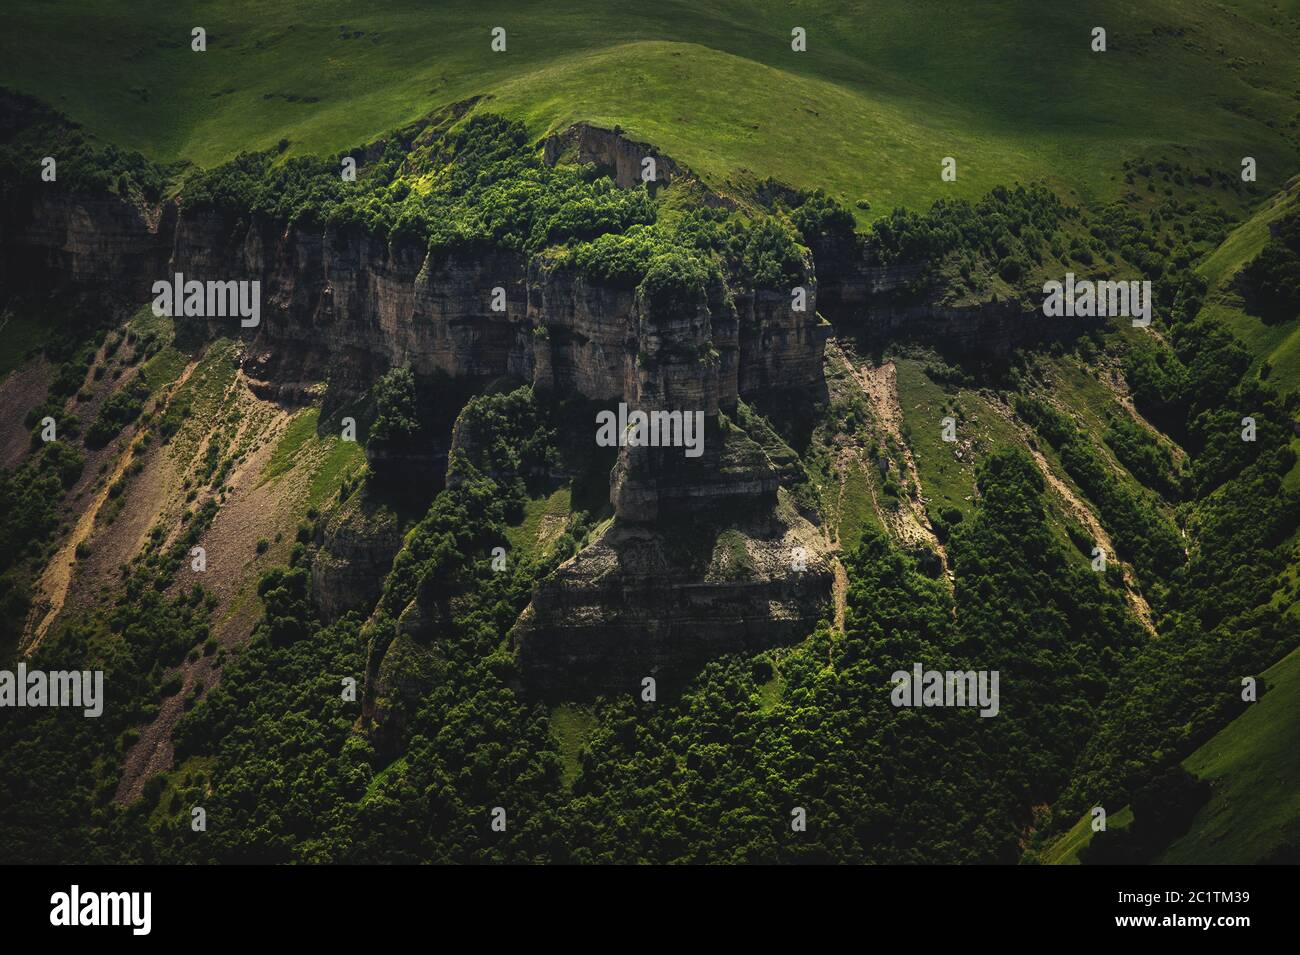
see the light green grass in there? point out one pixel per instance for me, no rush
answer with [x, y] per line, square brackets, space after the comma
[342, 460]
[544, 520]
[1244, 242]
[1253, 765]
[332, 460]
[1091, 405]
[204, 393]
[945, 480]
[856, 510]
[770, 693]
[164, 367]
[884, 92]
[300, 431]
[1065, 850]
[571, 725]
[1278, 343]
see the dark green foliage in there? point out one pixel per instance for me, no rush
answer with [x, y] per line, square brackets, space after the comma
[1270, 282]
[1220, 621]
[1089, 707]
[1150, 462]
[29, 498]
[1163, 810]
[674, 285]
[1034, 610]
[121, 408]
[1134, 521]
[397, 422]
[771, 259]
[56, 785]
[820, 216]
[84, 165]
[619, 259]
[490, 189]
[992, 229]
[288, 610]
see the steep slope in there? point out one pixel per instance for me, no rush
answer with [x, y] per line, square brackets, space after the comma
[642, 562]
[1253, 768]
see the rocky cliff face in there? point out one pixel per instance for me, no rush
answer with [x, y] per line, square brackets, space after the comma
[357, 544]
[83, 244]
[659, 600]
[622, 159]
[701, 558]
[889, 302]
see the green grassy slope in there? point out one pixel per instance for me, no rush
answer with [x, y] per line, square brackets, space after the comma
[1277, 343]
[1065, 850]
[882, 95]
[1254, 766]
[949, 481]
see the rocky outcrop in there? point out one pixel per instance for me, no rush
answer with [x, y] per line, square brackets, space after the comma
[612, 153]
[83, 244]
[357, 544]
[660, 600]
[884, 302]
[396, 691]
[702, 557]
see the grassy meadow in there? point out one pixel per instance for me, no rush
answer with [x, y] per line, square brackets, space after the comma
[883, 93]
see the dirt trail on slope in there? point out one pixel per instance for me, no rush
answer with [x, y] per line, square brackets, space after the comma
[880, 385]
[839, 591]
[52, 588]
[1084, 514]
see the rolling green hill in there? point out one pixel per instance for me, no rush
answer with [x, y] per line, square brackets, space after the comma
[883, 93]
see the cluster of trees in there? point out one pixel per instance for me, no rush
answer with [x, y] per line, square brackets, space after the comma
[1270, 282]
[482, 186]
[1007, 232]
[712, 771]
[29, 500]
[1146, 458]
[479, 186]
[1088, 707]
[84, 165]
[1220, 621]
[58, 769]
[120, 409]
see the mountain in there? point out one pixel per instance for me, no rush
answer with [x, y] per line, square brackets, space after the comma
[367, 538]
